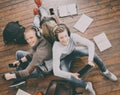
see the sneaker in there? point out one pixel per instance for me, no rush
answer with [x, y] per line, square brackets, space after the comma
[43, 12]
[110, 75]
[17, 83]
[36, 21]
[90, 88]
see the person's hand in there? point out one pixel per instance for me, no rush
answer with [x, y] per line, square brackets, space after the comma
[76, 75]
[16, 62]
[91, 63]
[9, 76]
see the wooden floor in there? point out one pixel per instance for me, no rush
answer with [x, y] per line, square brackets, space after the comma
[106, 15]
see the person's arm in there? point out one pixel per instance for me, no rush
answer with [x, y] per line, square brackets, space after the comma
[89, 44]
[22, 60]
[43, 52]
[57, 19]
[56, 63]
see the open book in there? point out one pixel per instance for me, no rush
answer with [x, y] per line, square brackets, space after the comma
[83, 23]
[67, 10]
[102, 41]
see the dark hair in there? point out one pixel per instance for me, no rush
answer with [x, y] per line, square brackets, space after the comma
[60, 28]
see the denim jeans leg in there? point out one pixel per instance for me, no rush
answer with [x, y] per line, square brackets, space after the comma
[99, 63]
[76, 82]
[66, 67]
[19, 55]
[84, 52]
[36, 74]
[66, 63]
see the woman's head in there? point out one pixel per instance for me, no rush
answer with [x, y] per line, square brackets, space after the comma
[62, 34]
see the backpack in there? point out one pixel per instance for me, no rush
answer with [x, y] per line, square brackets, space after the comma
[14, 33]
[61, 87]
[47, 24]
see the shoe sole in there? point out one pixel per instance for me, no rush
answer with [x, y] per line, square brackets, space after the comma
[16, 85]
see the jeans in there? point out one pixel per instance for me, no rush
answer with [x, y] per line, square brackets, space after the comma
[77, 53]
[35, 74]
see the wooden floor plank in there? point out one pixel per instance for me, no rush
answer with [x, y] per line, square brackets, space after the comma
[106, 15]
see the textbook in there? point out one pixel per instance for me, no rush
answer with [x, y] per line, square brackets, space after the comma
[102, 41]
[83, 23]
[67, 10]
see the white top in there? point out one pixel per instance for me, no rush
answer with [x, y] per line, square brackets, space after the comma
[60, 51]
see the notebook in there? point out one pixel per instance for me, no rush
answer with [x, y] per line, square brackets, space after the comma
[83, 23]
[67, 10]
[102, 42]
[21, 92]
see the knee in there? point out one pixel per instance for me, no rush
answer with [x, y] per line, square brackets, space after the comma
[95, 56]
[18, 52]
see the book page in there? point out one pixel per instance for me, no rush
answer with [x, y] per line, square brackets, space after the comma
[21, 92]
[83, 23]
[102, 42]
[67, 10]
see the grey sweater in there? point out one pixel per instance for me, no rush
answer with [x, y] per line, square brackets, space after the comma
[40, 52]
[60, 51]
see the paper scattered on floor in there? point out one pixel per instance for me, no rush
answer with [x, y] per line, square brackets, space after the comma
[67, 10]
[21, 92]
[83, 23]
[102, 41]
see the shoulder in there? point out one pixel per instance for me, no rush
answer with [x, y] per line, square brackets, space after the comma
[73, 35]
[56, 44]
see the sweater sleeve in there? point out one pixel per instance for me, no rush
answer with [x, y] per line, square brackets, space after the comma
[89, 44]
[38, 57]
[57, 51]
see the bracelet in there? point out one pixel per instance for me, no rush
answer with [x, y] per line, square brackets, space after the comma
[20, 61]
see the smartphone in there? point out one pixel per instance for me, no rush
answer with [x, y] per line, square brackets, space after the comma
[85, 70]
[12, 66]
[51, 11]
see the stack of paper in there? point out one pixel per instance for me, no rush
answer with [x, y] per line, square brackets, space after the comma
[102, 42]
[83, 23]
[67, 10]
[21, 92]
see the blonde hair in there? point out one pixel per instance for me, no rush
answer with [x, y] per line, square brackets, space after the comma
[59, 29]
[28, 29]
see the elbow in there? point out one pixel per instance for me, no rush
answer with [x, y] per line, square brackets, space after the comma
[55, 72]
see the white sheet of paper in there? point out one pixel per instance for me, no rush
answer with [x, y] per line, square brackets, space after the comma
[67, 10]
[83, 23]
[21, 92]
[102, 41]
